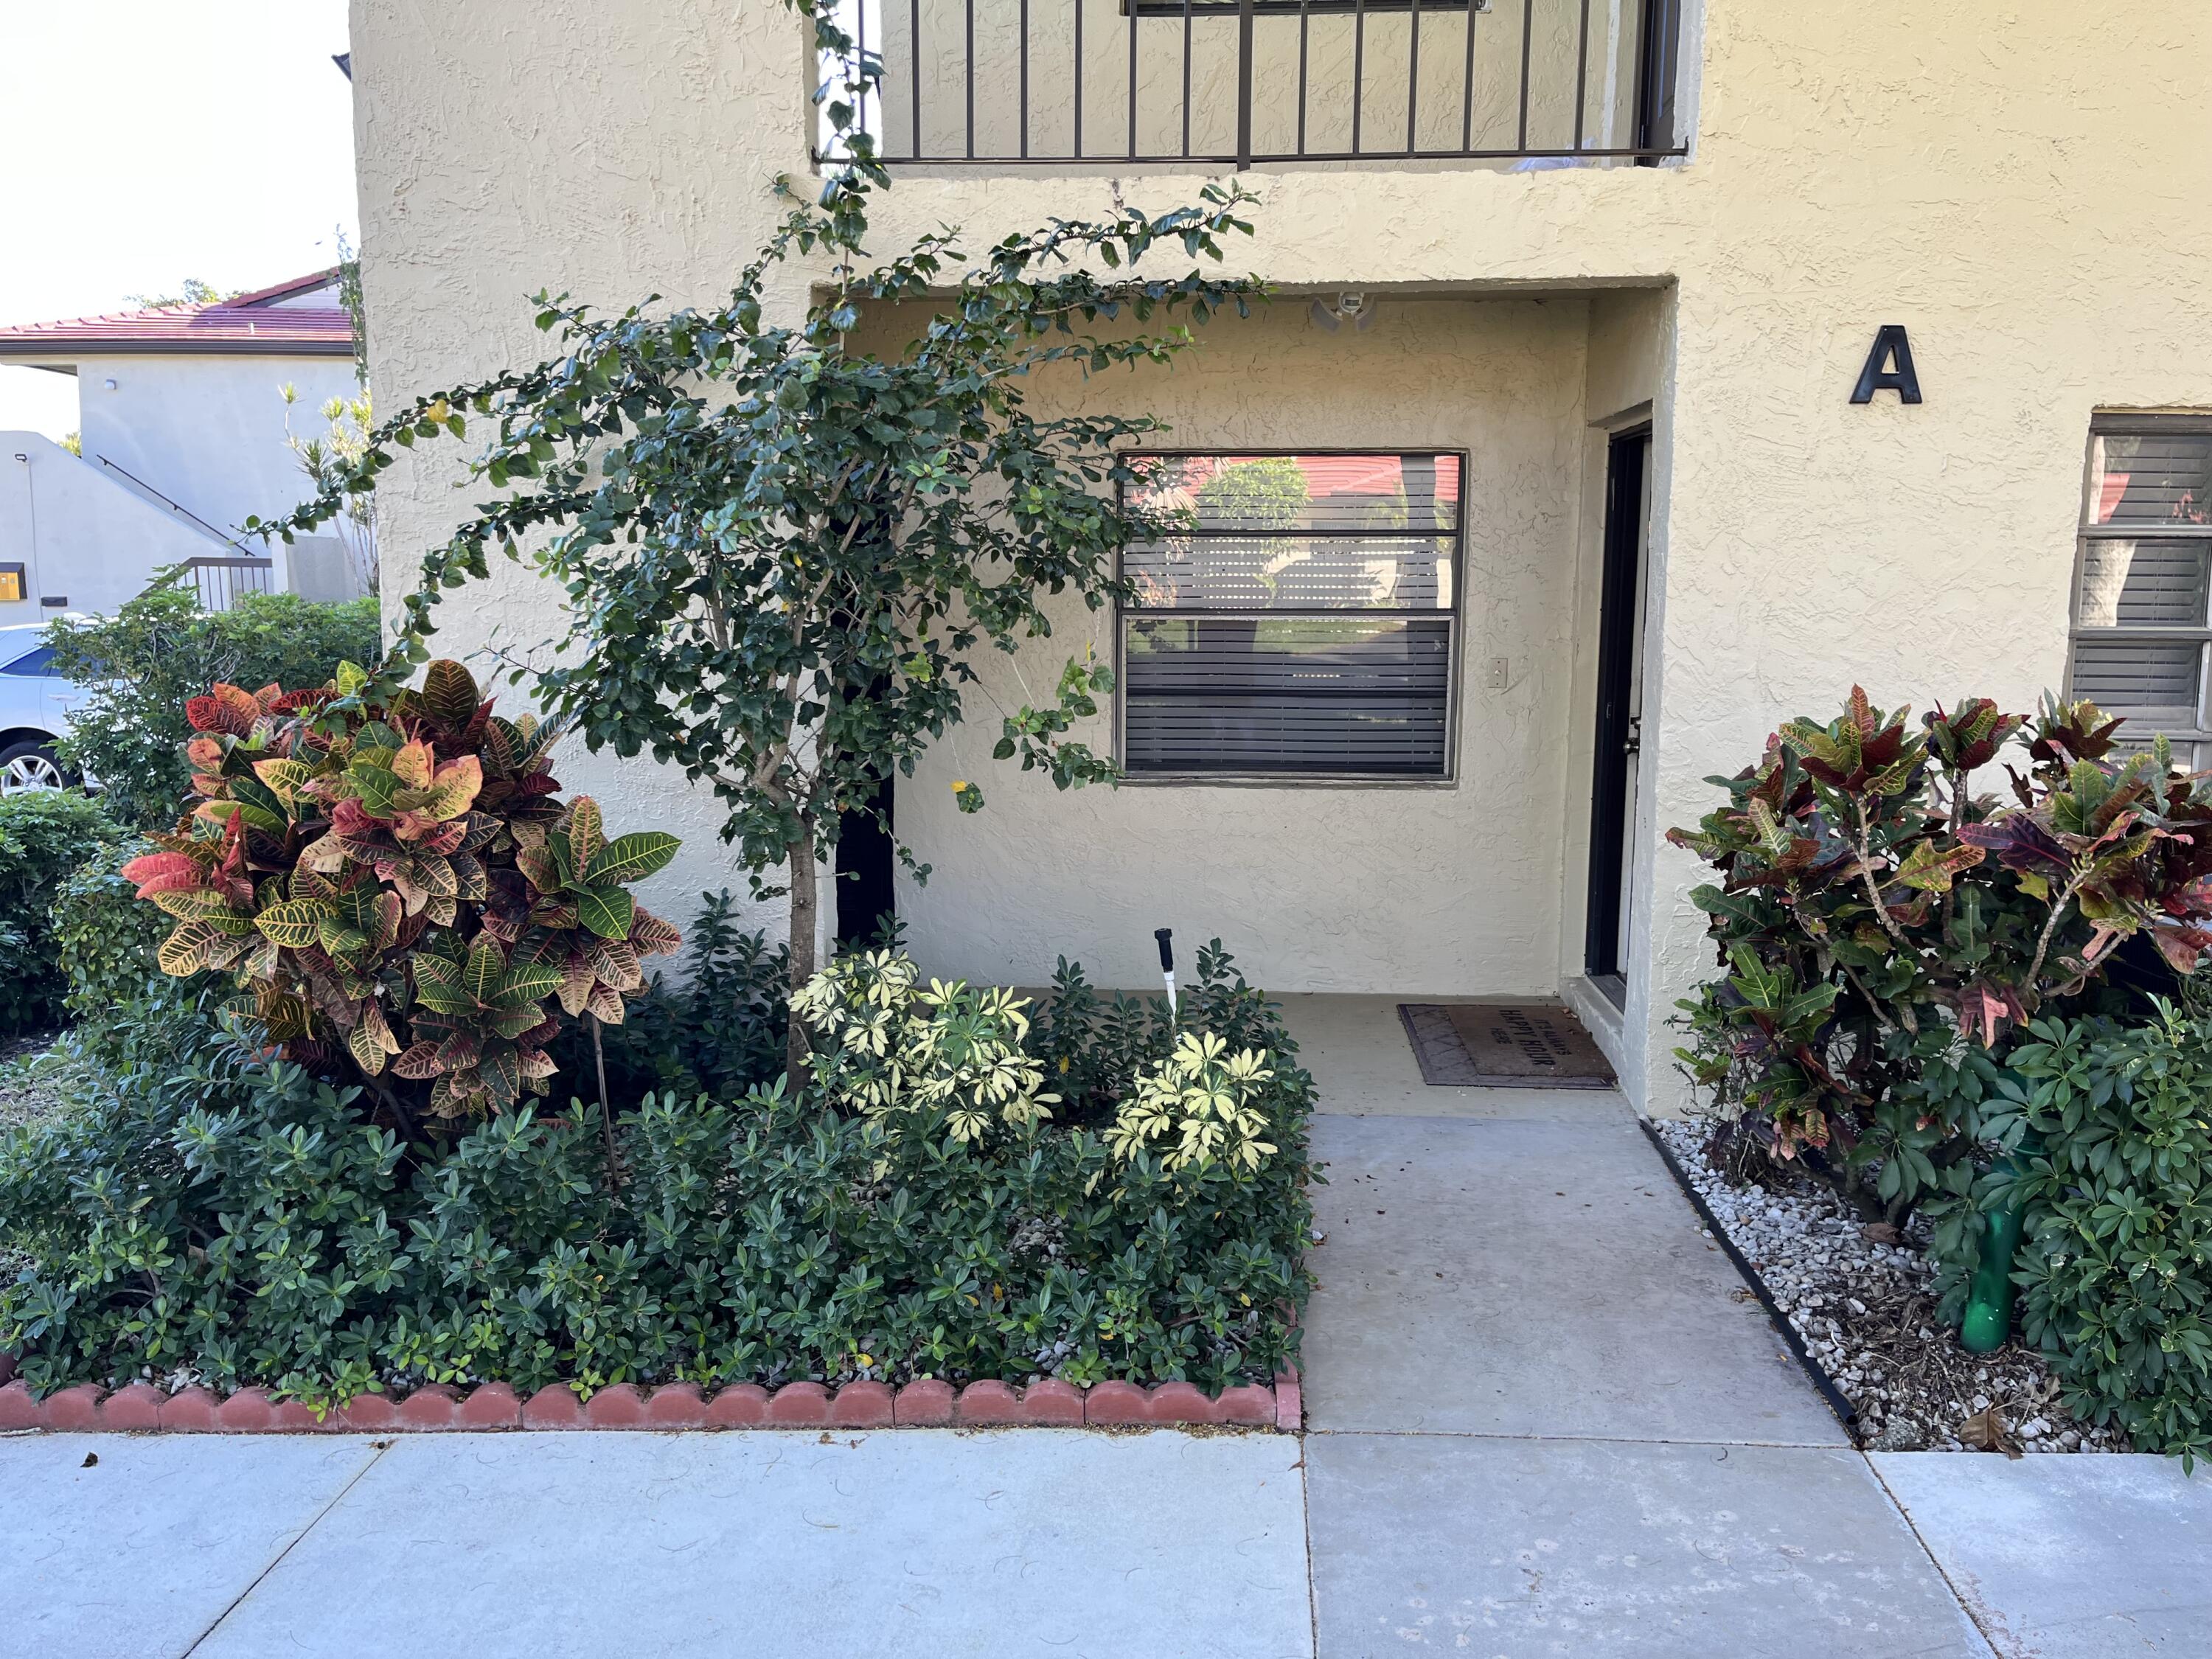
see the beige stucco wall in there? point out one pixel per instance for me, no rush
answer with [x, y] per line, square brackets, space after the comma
[2024, 189]
[1413, 888]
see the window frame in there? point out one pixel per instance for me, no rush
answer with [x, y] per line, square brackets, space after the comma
[2123, 423]
[1453, 615]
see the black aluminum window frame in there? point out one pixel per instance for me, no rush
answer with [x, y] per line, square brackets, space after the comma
[2088, 533]
[1452, 615]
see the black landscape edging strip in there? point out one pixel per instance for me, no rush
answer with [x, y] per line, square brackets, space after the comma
[1846, 1413]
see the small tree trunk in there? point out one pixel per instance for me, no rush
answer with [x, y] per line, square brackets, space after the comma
[606, 1106]
[805, 900]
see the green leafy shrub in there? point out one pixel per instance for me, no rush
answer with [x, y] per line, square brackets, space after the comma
[104, 942]
[209, 1213]
[45, 835]
[1882, 930]
[397, 887]
[2110, 1132]
[718, 1032]
[158, 650]
[1092, 1046]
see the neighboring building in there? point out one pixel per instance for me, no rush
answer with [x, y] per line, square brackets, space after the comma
[182, 429]
[1578, 294]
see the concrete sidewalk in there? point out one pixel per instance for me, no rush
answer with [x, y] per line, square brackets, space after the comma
[1085, 1545]
[756, 1543]
[1546, 1417]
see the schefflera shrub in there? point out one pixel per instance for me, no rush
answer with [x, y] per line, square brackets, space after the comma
[396, 886]
[2109, 1129]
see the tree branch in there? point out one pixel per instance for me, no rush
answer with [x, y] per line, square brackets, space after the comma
[1864, 849]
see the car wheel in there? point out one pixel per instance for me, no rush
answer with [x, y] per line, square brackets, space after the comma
[26, 766]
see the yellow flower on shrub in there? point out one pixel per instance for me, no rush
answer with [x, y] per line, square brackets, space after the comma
[1197, 1104]
[886, 1046]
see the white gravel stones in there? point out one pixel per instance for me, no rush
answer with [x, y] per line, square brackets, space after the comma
[1866, 1312]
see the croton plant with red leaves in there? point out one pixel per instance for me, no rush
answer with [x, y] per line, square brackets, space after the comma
[1883, 930]
[400, 887]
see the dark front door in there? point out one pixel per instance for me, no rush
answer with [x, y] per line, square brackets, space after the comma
[867, 893]
[1620, 710]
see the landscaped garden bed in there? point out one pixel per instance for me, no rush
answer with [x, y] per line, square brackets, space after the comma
[204, 1224]
[1956, 1070]
[394, 1112]
[1865, 1303]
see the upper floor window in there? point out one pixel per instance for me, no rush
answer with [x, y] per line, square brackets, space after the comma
[2142, 626]
[1055, 83]
[1299, 618]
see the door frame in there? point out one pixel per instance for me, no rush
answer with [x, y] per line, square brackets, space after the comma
[1620, 620]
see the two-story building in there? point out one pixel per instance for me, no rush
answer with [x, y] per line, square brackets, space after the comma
[1650, 371]
[184, 433]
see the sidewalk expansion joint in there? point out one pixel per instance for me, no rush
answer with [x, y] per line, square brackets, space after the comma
[1966, 1604]
[378, 1448]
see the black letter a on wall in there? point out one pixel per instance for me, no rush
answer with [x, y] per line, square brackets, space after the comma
[1890, 346]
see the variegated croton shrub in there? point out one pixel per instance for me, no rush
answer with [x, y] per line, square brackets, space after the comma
[399, 888]
[1884, 928]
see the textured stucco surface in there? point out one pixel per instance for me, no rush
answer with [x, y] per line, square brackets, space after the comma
[1375, 870]
[2022, 186]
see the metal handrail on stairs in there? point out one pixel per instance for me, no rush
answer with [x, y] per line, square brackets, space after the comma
[218, 580]
[173, 507]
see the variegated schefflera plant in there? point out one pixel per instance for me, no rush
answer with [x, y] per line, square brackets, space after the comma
[1883, 931]
[399, 889]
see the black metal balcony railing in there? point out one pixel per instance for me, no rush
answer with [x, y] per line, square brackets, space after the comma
[220, 583]
[1052, 83]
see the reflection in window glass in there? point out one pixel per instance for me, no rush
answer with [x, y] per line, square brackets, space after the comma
[2151, 479]
[2151, 682]
[2142, 626]
[1291, 615]
[2142, 584]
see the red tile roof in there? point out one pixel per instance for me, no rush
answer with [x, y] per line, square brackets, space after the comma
[257, 324]
[1353, 473]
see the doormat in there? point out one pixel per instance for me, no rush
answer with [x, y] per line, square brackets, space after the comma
[1503, 1045]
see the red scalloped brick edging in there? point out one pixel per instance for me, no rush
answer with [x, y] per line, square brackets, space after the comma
[493, 1406]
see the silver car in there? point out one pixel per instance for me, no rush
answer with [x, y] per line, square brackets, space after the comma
[36, 707]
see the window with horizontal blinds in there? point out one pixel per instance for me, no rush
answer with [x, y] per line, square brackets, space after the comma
[2143, 603]
[1291, 615]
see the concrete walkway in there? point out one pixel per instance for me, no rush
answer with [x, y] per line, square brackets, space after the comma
[1544, 1419]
